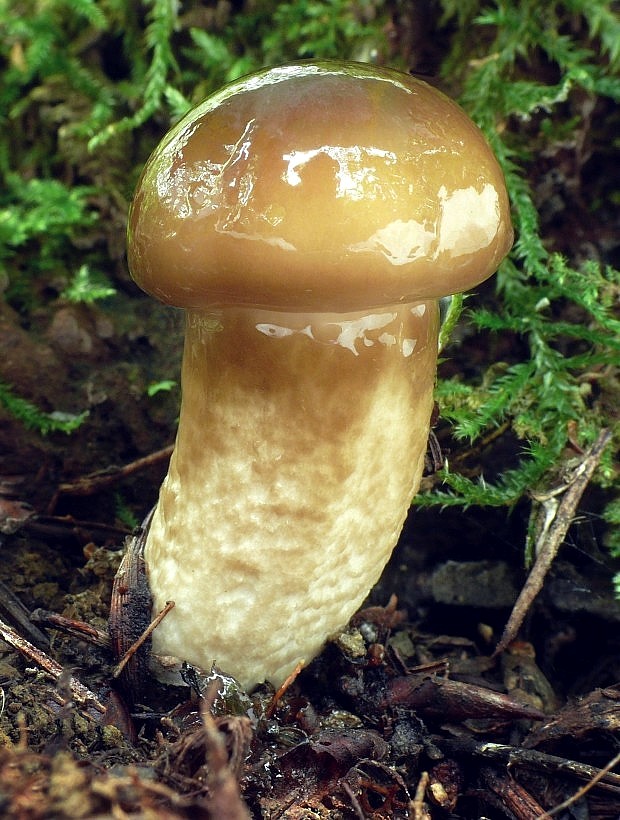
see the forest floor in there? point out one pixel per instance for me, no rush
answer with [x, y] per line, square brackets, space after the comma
[408, 713]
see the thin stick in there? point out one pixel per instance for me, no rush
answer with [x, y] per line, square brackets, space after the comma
[94, 482]
[558, 518]
[416, 806]
[581, 792]
[79, 692]
[273, 705]
[145, 635]
[531, 759]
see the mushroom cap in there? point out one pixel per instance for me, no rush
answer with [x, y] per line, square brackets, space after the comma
[319, 187]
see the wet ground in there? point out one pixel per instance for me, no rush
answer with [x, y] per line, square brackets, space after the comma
[407, 713]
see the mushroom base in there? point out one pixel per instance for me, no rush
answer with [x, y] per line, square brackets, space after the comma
[301, 443]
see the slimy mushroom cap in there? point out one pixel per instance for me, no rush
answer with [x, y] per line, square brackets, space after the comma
[319, 187]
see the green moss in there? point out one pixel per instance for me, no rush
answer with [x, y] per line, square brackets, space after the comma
[89, 88]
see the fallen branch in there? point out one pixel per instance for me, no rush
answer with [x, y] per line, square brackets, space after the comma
[537, 761]
[80, 693]
[552, 521]
[101, 480]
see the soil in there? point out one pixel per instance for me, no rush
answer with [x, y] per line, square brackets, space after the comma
[407, 711]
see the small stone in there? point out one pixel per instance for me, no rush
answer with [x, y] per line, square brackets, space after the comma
[352, 643]
[67, 333]
[490, 584]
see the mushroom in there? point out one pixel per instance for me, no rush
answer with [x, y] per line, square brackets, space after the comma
[307, 218]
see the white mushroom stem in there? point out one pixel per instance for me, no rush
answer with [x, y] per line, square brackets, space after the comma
[300, 445]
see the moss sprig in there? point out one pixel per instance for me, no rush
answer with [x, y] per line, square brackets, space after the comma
[34, 418]
[562, 315]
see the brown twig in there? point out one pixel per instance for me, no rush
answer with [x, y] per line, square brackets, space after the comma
[14, 611]
[118, 669]
[582, 791]
[101, 480]
[273, 704]
[355, 803]
[436, 697]
[555, 516]
[77, 629]
[61, 527]
[513, 795]
[80, 693]
[417, 806]
[529, 759]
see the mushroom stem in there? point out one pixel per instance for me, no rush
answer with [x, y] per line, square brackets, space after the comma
[301, 436]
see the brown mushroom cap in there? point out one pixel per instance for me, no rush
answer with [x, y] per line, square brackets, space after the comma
[318, 187]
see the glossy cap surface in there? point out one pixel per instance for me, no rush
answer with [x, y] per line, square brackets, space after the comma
[319, 187]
